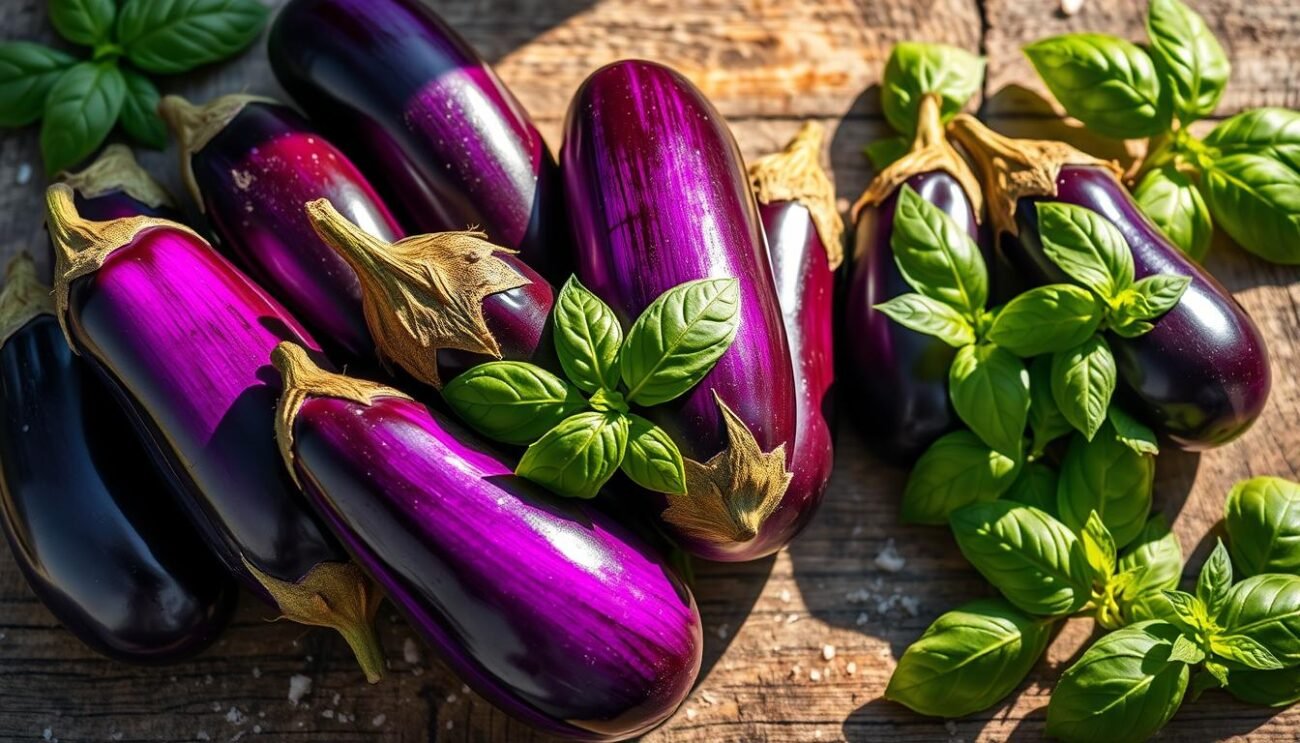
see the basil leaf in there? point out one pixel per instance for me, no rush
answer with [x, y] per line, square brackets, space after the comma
[1035, 486]
[1155, 549]
[1175, 204]
[1083, 382]
[1256, 200]
[936, 256]
[929, 316]
[969, 659]
[139, 115]
[80, 111]
[1132, 433]
[85, 22]
[1266, 688]
[1086, 246]
[957, 469]
[27, 72]
[1098, 548]
[1105, 476]
[883, 152]
[1266, 608]
[1218, 671]
[1262, 518]
[1107, 83]
[577, 457]
[1156, 295]
[652, 459]
[1188, 57]
[1046, 319]
[1215, 579]
[915, 69]
[587, 338]
[511, 401]
[1274, 132]
[1124, 687]
[989, 388]
[678, 339]
[1033, 559]
[1045, 418]
[1150, 605]
[1187, 651]
[170, 36]
[1244, 650]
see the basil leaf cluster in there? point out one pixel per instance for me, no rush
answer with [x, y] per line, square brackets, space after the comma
[1244, 176]
[580, 431]
[80, 101]
[915, 69]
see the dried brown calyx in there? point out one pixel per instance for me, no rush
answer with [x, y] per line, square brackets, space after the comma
[23, 296]
[796, 174]
[195, 126]
[1014, 168]
[423, 293]
[729, 497]
[302, 378]
[82, 245]
[931, 151]
[117, 170]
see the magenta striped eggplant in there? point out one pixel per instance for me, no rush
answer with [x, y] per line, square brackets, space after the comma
[185, 341]
[92, 526]
[659, 196]
[115, 186]
[251, 164]
[796, 203]
[427, 118]
[548, 609]
[1201, 376]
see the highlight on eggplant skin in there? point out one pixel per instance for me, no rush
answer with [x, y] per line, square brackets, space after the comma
[115, 186]
[546, 607]
[251, 164]
[185, 342]
[448, 145]
[1201, 376]
[658, 195]
[91, 524]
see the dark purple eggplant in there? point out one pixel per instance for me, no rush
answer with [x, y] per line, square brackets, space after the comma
[115, 186]
[805, 239]
[544, 606]
[1201, 376]
[91, 524]
[427, 119]
[659, 196]
[251, 164]
[185, 341]
[900, 390]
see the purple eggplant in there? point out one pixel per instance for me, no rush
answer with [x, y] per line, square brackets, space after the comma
[900, 389]
[659, 196]
[185, 341]
[92, 526]
[439, 304]
[251, 164]
[427, 118]
[547, 608]
[1201, 376]
[115, 186]
[805, 239]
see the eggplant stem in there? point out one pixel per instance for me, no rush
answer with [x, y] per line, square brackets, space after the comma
[195, 126]
[116, 169]
[24, 297]
[795, 174]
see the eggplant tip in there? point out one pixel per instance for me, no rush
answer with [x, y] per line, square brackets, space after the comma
[116, 169]
[195, 126]
[795, 174]
[23, 296]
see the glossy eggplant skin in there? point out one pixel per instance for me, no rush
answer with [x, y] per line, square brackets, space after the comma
[805, 285]
[899, 393]
[547, 608]
[91, 524]
[1201, 376]
[255, 176]
[658, 197]
[426, 118]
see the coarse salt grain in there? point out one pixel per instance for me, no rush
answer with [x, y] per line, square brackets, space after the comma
[410, 651]
[828, 652]
[299, 687]
[815, 675]
[851, 668]
[379, 720]
[690, 713]
[862, 619]
[785, 595]
[889, 560]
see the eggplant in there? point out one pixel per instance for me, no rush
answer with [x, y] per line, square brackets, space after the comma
[900, 391]
[547, 608]
[438, 304]
[251, 164]
[805, 240]
[91, 524]
[659, 196]
[427, 118]
[115, 186]
[185, 341]
[1201, 376]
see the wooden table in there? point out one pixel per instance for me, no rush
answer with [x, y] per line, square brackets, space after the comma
[798, 648]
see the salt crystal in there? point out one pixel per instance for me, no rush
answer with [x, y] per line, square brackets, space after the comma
[795, 670]
[828, 652]
[862, 619]
[723, 631]
[410, 651]
[1071, 7]
[785, 595]
[851, 668]
[257, 672]
[858, 596]
[24, 177]
[691, 713]
[791, 619]
[379, 720]
[207, 680]
[464, 689]
[707, 698]
[450, 724]
[236, 736]
[47, 734]
[299, 687]
[235, 717]
[257, 730]
[337, 697]
[911, 604]
[815, 675]
[328, 714]
[216, 706]
[451, 699]
[889, 560]
[951, 727]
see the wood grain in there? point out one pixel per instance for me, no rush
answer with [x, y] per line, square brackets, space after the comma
[767, 64]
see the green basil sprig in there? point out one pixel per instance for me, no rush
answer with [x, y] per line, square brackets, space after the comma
[1262, 518]
[576, 443]
[80, 101]
[913, 70]
[1106, 477]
